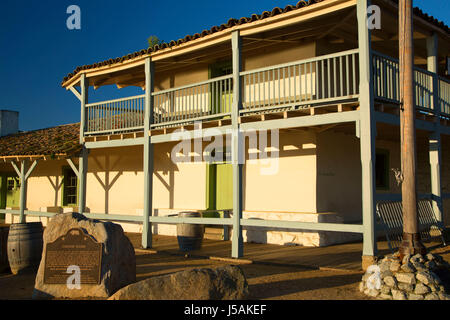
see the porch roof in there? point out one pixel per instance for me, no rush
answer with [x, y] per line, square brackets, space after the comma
[59, 141]
[255, 18]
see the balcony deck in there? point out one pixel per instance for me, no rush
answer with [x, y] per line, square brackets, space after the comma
[324, 84]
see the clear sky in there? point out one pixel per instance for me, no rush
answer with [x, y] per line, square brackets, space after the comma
[38, 50]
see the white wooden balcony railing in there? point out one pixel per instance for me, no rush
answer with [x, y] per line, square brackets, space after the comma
[118, 115]
[199, 101]
[386, 85]
[305, 82]
[309, 82]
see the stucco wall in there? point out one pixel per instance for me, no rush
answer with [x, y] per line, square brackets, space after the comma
[339, 175]
[339, 172]
[286, 183]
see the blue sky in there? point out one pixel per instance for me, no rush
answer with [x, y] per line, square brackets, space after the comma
[37, 49]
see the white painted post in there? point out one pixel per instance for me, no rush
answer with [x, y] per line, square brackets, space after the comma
[148, 155]
[368, 135]
[23, 190]
[83, 159]
[435, 137]
[435, 172]
[237, 247]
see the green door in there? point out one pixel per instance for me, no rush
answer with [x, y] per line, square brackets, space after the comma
[224, 186]
[12, 192]
[220, 186]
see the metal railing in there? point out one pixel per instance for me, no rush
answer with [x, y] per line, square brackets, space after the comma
[211, 98]
[304, 82]
[115, 115]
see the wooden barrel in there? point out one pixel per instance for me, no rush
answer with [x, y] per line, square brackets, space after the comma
[4, 264]
[190, 236]
[25, 241]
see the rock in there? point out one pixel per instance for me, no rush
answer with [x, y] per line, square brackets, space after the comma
[385, 289]
[412, 296]
[418, 258]
[385, 296]
[424, 277]
[406, 287]
[444, 296]
[221, 283]
[408, 267]
[406, 259]
[385, 265]
[435, 288]
[366, 276]
[395, 266]
[430, 265]
[408, 278]
[372, 292]
[430, 257]
[387, 273]
[398, 295]
[420, 266]
[390, 281]
[432, 296]
[435, 277]
[118, 261]
[361, 286]
[421, 289]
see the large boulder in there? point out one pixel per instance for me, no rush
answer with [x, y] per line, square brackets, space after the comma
[118, 260]
[221, 283]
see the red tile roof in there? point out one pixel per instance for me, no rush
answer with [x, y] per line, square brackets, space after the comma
[232, 22]
[60, 140]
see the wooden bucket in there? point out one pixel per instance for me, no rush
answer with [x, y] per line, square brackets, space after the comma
[25, 242]
[190, 236]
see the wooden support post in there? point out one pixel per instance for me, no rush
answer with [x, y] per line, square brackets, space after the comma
[435, 137]
[367, 127]
[237, 148]
[435, 172]
[23, 190]
[24, 173]
[148, 156]
[82, 175]
[411, 243]
[83, 158]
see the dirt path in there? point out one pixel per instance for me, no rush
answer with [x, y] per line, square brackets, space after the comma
[265, 282]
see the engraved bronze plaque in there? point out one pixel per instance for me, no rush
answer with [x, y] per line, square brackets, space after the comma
[75, 248]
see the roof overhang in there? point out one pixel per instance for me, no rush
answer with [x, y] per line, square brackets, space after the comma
[267, 24]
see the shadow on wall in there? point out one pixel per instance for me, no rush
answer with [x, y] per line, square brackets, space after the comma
[109, 165]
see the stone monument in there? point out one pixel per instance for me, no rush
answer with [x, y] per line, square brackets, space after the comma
[83, 258]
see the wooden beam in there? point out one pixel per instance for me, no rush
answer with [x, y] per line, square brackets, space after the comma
[76, 92]
[74, 168]
[30, 170]
[343, 21]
